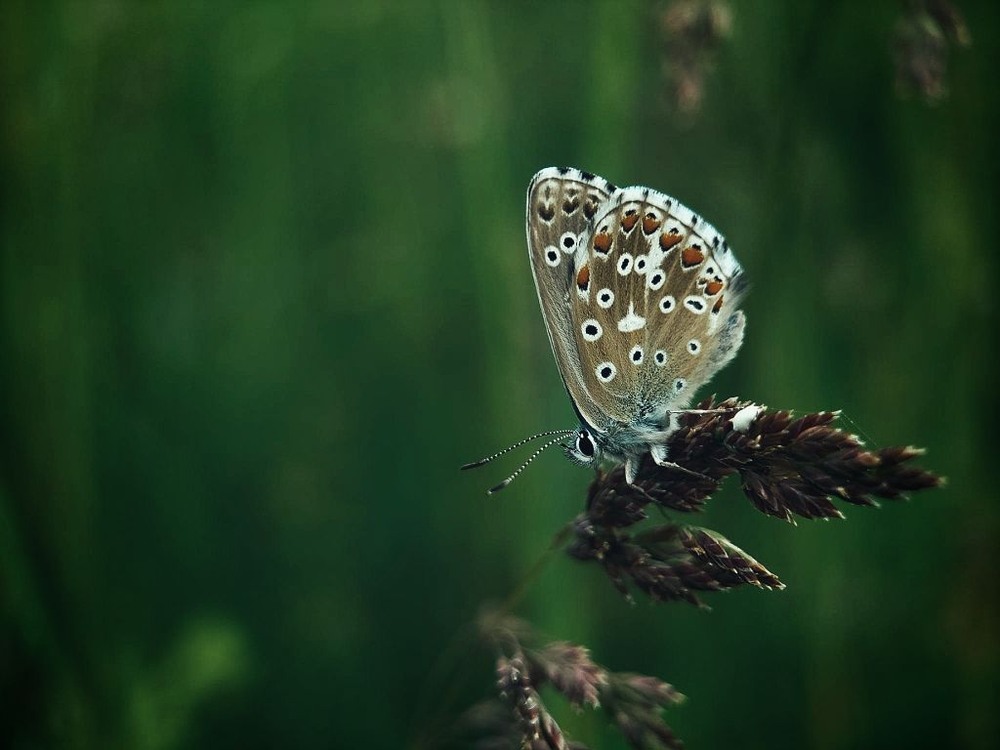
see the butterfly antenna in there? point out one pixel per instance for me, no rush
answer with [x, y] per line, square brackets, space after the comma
[518, 444]
[523, 466]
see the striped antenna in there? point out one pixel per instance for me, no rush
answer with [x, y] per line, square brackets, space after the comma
[523, 466]
[518, 444]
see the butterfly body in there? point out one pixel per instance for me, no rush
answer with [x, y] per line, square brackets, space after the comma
[640, 298]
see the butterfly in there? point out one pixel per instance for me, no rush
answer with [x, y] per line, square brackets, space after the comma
[640, 298]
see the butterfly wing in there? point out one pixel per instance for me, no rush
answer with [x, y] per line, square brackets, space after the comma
[654, 305]
[561, 206]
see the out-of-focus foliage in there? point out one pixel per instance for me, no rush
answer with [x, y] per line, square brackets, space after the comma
[263, 288]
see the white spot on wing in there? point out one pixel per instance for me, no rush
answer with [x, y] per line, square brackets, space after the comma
[551, 255]
[591, 330]
[606, 372]
[695, 304]
[605, 298]
[624, 263]
[631, 321]
[568, 242]
[672, 226]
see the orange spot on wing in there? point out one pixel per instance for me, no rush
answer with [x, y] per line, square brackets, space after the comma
[583, 278]
[602, 243]
[629, 219]
[668, 240]
[650, 224]
[713, 287]
[718, 304]
[690, 257]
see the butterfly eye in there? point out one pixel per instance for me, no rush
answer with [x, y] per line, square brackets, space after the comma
[585, 445]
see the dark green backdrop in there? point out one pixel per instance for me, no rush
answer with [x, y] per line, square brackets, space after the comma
[264, 288]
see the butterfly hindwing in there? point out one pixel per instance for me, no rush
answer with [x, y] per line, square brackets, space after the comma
[657, 315]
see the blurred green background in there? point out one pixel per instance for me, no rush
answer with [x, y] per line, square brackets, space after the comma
[264, 288]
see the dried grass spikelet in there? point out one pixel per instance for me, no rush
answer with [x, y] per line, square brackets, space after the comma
[789, 467]
[633, 702]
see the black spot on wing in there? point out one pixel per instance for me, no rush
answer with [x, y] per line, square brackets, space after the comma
[570, 204]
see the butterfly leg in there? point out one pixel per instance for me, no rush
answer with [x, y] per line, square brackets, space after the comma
[631, 469]
[659, 454]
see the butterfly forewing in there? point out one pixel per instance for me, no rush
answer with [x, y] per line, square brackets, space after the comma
[561, 206]
[659, 315]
